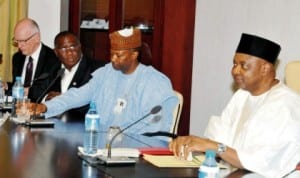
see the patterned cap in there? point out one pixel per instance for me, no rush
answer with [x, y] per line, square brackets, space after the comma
[127, 38]
[259, 47]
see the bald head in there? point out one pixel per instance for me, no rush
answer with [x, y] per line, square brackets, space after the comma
[27, 36]
[26, 25]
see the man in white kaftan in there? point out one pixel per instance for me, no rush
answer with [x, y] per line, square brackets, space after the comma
[259, 130]
[264, 130]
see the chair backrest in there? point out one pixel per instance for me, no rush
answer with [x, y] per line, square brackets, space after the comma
[292, 74]
[177, 112]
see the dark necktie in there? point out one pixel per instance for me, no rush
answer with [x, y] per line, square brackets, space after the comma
[29, 71]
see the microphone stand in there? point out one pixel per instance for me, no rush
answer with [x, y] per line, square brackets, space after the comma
[123, 160]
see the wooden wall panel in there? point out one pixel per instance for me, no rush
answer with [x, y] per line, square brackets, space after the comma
[177, 51]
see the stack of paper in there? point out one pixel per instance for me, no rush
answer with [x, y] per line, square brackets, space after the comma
[172, 161]
[4, 118]
[115, 152]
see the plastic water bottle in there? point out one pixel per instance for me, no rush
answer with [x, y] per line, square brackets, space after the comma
[2, 94]
[18, 89]
[92, 129]
[209, 168]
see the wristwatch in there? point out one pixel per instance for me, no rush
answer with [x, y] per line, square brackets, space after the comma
[221, 148]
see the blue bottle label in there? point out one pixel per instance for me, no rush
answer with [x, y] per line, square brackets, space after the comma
[208, 172]
[18, 92]
[92, 122]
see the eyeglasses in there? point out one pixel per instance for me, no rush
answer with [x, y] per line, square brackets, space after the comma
[71, 48]
[17, 42]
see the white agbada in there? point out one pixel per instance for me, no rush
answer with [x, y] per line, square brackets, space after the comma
[264, 130]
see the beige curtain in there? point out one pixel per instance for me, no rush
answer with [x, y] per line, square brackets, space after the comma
[10, 12]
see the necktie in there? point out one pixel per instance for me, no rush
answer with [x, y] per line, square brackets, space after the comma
[28, 74]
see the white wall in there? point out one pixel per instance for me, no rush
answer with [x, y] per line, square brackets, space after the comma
[51, 15]
[218, 27]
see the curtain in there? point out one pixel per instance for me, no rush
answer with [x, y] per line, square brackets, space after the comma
[11, 11]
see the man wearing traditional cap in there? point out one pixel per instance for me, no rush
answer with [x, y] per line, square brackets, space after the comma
[123, 90]
[259, 130]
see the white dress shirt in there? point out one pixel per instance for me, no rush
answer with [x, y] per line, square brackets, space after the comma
[67, 77]
[35, 57]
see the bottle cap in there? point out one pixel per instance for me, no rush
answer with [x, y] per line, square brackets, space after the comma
[210, 154]
[92, 104]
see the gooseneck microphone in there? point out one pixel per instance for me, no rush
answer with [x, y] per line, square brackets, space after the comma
[160, 133]
[113, 161]
[43, 76]
[59, 74]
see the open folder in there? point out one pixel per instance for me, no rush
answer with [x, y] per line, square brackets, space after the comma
[171, 161]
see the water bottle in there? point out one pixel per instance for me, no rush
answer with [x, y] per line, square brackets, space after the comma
[2, 93]
[18, 89]
[92, 129]
[209, 168]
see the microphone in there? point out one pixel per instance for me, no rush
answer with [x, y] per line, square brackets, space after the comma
[297, 168]
[59, 74]
[43, 76]
[123, 160]
[160, 133]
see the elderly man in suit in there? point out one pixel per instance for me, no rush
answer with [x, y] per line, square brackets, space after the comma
[33, 59]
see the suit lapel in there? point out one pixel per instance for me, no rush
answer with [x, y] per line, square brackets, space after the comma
[80, 74]
[21, 63]
[41, 62]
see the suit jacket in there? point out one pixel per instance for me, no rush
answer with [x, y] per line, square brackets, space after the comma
[47, 63]
[81, 77]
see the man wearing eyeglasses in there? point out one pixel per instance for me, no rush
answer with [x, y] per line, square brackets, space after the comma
[78, 68]
[33, 59]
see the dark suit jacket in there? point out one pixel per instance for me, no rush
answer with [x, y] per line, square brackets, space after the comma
[81, 77]
[47, 63]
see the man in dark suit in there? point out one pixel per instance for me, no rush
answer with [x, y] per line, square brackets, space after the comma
[33, 59]
[78, 68]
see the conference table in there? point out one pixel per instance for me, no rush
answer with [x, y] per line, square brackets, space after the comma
[27, 152]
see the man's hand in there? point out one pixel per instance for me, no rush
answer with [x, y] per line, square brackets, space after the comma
[182, 146]
[52, 94]
[5, 86]
[33, 108]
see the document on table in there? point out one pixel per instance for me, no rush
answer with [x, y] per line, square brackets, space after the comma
[3, 118]
[115, 152]
[172, 161]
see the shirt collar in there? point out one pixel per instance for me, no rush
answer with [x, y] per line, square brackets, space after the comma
[36, 53]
